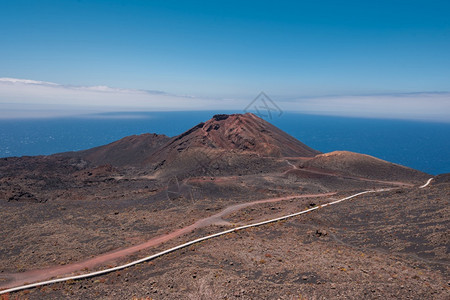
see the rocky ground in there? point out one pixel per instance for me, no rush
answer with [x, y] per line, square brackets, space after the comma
[389, 244]
[322, 255]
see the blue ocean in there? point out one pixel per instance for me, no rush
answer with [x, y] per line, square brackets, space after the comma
[421, 145]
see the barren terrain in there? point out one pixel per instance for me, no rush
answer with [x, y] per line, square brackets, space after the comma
[76, 212]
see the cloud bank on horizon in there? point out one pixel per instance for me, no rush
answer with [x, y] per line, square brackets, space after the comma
[24, 98]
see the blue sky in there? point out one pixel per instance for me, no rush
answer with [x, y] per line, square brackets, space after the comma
[230, 49]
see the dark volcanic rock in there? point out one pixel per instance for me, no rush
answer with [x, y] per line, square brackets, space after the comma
[23, 196]
[220, 117]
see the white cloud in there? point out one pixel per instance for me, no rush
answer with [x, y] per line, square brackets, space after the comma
[25, 81]
[418, 106]
[20, 98]
[30, 98]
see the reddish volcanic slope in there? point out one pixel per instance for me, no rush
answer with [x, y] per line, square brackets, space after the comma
[245, 132]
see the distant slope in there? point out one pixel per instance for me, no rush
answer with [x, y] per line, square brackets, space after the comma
[129, 151]
[361, 165]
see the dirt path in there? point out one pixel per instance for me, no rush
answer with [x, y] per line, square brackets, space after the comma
[17, 279]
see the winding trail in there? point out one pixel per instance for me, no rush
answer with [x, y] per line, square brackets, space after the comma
[426, 184]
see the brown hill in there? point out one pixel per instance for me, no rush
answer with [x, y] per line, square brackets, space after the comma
[129, 151]
[240, 132]
[361, 165]
[227, 144]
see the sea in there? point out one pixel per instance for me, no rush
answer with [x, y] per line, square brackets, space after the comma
[420, 145]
